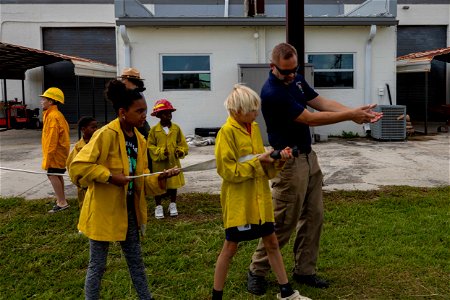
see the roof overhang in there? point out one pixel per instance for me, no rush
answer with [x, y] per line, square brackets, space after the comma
[406, 66]
[256, 21]
[421, 61]
[15, 60]
[94, 69]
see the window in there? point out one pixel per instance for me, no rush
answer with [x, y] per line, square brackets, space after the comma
[332, 70]
[186, 72]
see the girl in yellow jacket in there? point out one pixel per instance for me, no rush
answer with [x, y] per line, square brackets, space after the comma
[114, 207]
[87, 126]
[167, 145]
[55, 144]
[246, 200]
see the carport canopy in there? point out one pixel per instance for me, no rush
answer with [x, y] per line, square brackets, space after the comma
[15, 60]
[421, 61]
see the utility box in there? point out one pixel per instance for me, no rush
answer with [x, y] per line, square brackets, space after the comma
[392, 126]
[255, 75]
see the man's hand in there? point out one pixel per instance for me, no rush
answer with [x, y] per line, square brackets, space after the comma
[365, 114]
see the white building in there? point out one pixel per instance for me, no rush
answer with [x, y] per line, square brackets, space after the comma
[165, 38]
[215, 37]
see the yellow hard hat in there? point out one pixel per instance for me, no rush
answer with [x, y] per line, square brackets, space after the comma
[54, 94]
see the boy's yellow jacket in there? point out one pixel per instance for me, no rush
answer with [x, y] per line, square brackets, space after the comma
[104, 216]
[76, 148]
[55, 139]
[158, 141]
[245, 196]
[81, 190]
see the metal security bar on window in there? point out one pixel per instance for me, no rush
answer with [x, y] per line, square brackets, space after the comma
[332, 70]
[186, 72]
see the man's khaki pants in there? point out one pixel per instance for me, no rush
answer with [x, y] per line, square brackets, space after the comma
[298, 204]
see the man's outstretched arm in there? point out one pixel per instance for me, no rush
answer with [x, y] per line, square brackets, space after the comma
[331, 112]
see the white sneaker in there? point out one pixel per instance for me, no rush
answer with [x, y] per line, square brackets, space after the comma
[159, 212]
[295, 296]
[173, 209]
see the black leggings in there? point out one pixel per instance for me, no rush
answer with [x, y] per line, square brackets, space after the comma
[132, 250]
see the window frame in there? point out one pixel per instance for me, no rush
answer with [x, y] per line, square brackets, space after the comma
[353, 70]
[162, 72]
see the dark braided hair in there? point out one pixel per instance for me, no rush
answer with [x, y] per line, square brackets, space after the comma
[120, 96]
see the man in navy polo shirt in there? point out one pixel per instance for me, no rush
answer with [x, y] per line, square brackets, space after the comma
[297, 190]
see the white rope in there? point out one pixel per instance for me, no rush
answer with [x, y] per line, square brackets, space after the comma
[33, 172]
[58, 174]
[143, 175]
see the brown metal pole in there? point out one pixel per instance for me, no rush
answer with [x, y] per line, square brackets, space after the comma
[295, 29]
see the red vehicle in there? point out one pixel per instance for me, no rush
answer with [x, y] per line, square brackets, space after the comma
[15, 115]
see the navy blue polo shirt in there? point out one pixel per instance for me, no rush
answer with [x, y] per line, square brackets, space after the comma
[281, 104]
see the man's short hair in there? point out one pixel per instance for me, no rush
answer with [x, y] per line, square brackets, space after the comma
[283, 51]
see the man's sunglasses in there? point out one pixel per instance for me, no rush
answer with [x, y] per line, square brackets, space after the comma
[287, 72]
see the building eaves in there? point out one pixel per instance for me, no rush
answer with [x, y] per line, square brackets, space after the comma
[257, 21]
[442, 54]
[421, 61]
[15, 60]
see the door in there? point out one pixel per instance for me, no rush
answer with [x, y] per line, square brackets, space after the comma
[92, 43]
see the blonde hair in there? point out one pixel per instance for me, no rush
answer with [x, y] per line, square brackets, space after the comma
[242, 99]
[283, 51]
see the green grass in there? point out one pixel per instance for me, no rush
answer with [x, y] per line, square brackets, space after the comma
[388, 244]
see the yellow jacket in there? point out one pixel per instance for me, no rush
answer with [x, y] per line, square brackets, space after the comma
[157, 142]
[245, 195]
[103, 216]
[55, 139]
[81, 190]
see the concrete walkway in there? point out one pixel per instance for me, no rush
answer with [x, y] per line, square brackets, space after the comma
[356, 164]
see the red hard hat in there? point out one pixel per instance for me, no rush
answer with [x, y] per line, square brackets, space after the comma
[161, 105]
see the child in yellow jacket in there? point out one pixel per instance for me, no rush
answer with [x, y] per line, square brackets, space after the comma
[167, 145]
[246, 200]
[87, 126]
[112, 165]
[55, 144]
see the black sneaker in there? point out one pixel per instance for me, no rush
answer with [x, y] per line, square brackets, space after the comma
[57, 208]
[257, 285]
[311, 280]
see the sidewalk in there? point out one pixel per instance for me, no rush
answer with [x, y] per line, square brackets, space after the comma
[357, 164]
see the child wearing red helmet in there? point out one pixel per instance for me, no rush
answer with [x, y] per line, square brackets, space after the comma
[167, 145]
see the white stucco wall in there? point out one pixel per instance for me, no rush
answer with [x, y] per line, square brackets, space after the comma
[354, 40]
[227, 46]
[22, 24]
[230, 46]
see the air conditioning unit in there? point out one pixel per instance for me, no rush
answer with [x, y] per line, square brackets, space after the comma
[392, 126]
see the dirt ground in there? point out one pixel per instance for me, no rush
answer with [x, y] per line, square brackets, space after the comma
[347, 164]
